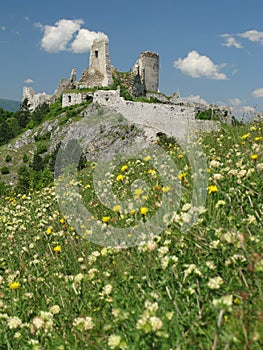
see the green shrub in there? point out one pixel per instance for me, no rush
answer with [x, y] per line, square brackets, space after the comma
[8, 158]
[4, 170]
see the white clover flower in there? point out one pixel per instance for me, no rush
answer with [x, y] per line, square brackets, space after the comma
[38, 322]
[165, 262]
[186, 207]
[106, 290]
[14, 322]
[215, 282]
[114, 341]
[226, 300]
[214, 164]
[55, 309]
[259, 166]
[78, 278]
[218, 177]
[156, 323]
[83, 323]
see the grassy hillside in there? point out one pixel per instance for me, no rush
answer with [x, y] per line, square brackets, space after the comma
[9, 105]
[195, 289]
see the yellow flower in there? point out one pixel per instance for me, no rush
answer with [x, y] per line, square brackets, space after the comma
[120, 177]
[116, 208]
[212, 189]
[57, 249]
[166, 189]
[245, 136]
[143, 210]
[254, 156]
[14, 285]
[62, 221]
[180, 156]
[182, 176]
[133, 212]
[147, 158]
[49, 230]
[138, 192]
[124, 167]
[87, 186]
[105, 219]
[151, 172]
[259, 138]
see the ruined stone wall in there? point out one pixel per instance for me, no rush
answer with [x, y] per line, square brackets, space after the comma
[99, 72]
[35, 99]
[73, 98]
[148, 69]
[174, 120]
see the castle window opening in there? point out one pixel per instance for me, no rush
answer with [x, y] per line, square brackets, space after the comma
[69, 99]
[96, 53]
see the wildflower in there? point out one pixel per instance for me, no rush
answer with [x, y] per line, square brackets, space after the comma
[138, 192]
[57, 249]
[215, 283]
[133, 212]
[143, 210]
[166, 189]
[116, 208]
[120, 177]
[151, 172]
[124, 167]
[156, 323]
[182, 176]
[55, 309]
[14, 322]
[254, 156]
[105, 219]
[212, 189]
[259, 166]
[87, 186]
[83, 323]
[214, 164]
[244, 137]
[226, 301]
[220, 203]
[180, 156]
[147, 158]
[49, 230]
[114, 341]
[62, 221]
[14, 285]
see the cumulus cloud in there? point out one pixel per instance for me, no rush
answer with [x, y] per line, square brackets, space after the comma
[67, 35]
[28, 81]
[198, 66]
[3, 28]
[196, 99]
[258, 93]
[234, 101]
[84, 40]
[252, 35]
[230, 41]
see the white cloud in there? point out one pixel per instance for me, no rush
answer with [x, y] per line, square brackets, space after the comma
[67, 35]
[247, 109]
[253, 35]
[258, 93]
[230, 41]
[234, 101]
[84, 40]
[57, 37]
[3, 28]
[196, 99]
[28, 81]
[198, 66]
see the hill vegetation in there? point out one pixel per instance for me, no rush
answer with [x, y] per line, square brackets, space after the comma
[195, 289]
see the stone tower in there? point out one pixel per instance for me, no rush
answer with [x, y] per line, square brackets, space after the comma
[147, 67]
[99, 72]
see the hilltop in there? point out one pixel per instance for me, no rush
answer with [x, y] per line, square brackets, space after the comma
[9, 105]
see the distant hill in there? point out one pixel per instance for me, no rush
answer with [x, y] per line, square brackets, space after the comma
[9, 105]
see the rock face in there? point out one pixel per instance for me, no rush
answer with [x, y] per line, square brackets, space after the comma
[34, 99]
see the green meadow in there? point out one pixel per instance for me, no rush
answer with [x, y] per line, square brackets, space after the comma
[200, 288]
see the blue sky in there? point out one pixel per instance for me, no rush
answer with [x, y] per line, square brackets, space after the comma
[208, 49]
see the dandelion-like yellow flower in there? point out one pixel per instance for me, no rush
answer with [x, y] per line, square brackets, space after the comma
[124, 167]
[180, 156]
[182, 176]
[212, 189]
[259, 138]
[62, 221]
[244, 137]
[105, 219]
[87, 186]
[14, 285]
[116, 208]
[254, 156]
[147, 158]
[49, 230]
[143, 210]
[166, 189]
[120, 177]
[57, 249]
[138, 192]
[133, 212]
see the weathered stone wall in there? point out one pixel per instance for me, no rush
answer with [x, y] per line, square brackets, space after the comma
[35, 99]
[147, 66]
[73, 98]
[173, 120]
[99, 72]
